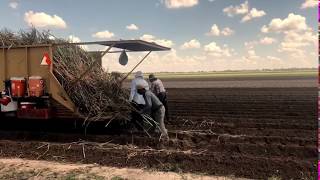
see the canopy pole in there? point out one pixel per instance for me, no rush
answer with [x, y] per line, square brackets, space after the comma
[106, 51]
[135, 67]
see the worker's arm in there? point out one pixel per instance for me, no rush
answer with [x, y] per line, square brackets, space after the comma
[162, 89]
[133, 90]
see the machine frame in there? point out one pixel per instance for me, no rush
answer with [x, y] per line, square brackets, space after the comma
[25, 61]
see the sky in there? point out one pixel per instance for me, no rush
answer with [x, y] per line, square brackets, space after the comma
[204, 35]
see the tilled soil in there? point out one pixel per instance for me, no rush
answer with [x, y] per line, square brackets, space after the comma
[245, 132]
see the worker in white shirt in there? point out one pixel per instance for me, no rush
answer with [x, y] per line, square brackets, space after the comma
[137, 100]
[134, 96]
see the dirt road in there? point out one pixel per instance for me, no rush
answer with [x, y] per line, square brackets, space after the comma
[37, 170]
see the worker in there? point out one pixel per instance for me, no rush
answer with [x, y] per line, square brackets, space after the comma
[156, 86]
[137, 100]
[134, 96]
[153, 107]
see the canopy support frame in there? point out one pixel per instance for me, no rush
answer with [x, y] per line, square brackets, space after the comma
[145, 57]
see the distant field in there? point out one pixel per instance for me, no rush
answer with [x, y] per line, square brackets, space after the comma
[235, 74]
[239, 79]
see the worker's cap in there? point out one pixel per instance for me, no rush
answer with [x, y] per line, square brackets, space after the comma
[140, 86]
[152, 76]
[139, 74]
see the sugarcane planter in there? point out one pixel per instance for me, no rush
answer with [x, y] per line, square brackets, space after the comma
[33, 89]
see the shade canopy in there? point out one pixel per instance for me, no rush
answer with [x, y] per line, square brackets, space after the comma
[130, 45]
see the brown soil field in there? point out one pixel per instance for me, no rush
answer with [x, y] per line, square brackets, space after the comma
[240, 132]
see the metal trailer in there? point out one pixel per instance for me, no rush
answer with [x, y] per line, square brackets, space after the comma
[25, 61]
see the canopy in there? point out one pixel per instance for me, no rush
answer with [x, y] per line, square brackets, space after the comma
[130, 45]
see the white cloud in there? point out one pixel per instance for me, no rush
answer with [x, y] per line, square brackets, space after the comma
[264, 29]
[244, 9]
[309, 4]
[251, 59]
[132, 27]
[192, 44]
[174, 4]
[227, 31]
[13, 4]
[263, 41]
[75, 39]
[175, 61]
[252, 54]
[211, 0]
[272, 58]
[214, 50]
[103, 34]
[164, 42]
[41, 20]
[147, 37]
[297, 35]
[236, 10]
[151, 38]
[215, 31]
[169, 61]
[250, 44]
[291, 23]
[267, 40]
[254, 13]
[295, 42]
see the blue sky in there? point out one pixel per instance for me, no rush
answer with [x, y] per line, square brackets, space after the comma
[288, 41]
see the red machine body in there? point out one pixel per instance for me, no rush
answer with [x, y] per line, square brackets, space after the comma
[5, 100]
[26, 105]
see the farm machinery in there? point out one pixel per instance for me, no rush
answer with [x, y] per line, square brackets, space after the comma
[32, 91]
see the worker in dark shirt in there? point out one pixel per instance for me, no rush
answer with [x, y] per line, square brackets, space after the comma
[156, 86]
[153, 107]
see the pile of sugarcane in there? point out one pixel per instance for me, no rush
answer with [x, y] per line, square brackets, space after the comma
[98, 95]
